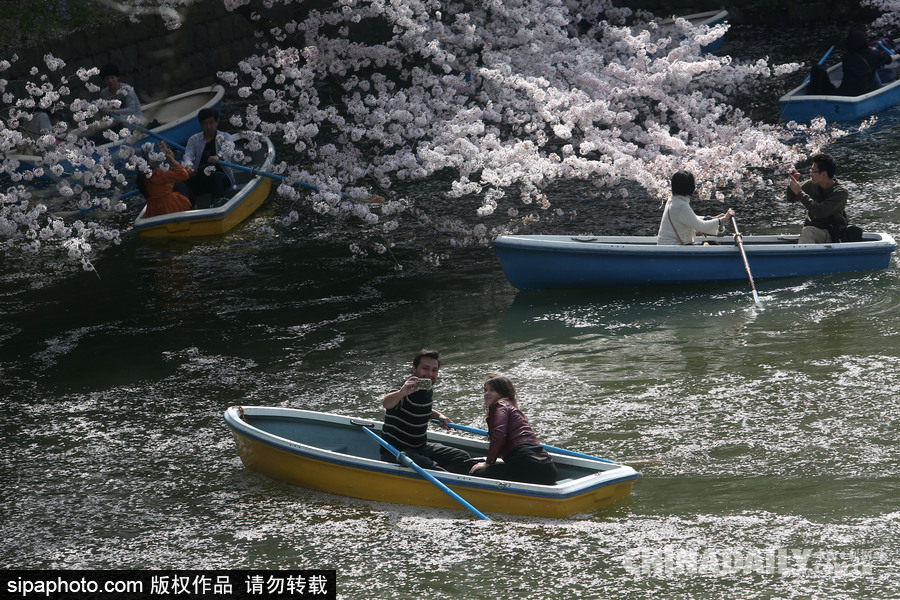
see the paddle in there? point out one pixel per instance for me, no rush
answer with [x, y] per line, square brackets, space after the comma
[254, 171]
[70, 213]
[886, 49]
[408, 462]
[639, 463]
[738, 239]
[822, 60]
[546, 447]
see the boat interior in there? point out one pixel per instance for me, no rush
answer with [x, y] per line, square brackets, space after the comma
[351, 440]
[725, 240]
[241, 177]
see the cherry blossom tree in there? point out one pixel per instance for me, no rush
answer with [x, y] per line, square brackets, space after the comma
[890, 9]
[499, 98]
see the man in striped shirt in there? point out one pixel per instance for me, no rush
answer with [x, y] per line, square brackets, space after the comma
[408, 412]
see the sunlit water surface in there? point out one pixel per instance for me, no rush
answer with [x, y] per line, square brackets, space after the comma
[775, 427]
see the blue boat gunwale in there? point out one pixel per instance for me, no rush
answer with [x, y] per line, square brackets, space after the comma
[532, 262]
[795, 95]
[646, 245]
[599, 478]
[800, 105]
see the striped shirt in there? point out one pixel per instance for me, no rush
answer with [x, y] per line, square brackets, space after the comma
[406, 424]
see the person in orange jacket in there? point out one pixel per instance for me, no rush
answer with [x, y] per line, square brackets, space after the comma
[158, 187]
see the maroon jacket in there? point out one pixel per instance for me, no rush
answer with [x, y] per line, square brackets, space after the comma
[507, 428]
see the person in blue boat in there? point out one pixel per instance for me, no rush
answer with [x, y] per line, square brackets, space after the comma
[209, 181]
[408, 412]
[129, 105]
[859, 67]
[824, 198]
[679, 224]
[511, 439]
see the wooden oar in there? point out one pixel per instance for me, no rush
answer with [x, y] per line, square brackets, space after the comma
[408, 462]
[546, 447]
[373, 199]
[738, 239]
[71, 213]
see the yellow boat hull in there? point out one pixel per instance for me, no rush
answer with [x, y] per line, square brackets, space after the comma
[253, 191]
[214, 225]
[406, 487]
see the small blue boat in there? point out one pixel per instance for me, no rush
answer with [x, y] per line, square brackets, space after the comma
[798, 106]
[173, 118]
[533, 262]
[710, 18]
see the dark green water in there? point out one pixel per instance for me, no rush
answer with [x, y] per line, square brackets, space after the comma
[777, 427]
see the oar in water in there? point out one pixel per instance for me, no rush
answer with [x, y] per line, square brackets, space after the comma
[408, 462]
[738, 239]
[546, 447]
[373, 199]
[71, 213]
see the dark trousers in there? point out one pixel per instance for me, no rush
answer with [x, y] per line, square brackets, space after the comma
[434, 456]
[206, 189]
[526, 463]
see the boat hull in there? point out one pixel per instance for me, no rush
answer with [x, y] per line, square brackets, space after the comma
[558, 262]
[338, 472]
[218, 220]
[710, 18]
[796, 105]
[175, 118]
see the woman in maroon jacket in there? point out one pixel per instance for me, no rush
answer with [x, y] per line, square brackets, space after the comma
[511, 438]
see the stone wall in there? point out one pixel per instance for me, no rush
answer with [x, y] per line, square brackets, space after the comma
[157, 61]
[762, 12]
[160, 62]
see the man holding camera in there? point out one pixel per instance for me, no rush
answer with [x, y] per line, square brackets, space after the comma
[824, 198]
[408, 412]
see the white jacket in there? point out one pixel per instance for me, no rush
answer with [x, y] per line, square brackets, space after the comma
[678, 212]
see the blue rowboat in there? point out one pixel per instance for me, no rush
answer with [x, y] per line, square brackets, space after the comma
[534, 262]
[173, 118]
[798, 106]
[709, 18]
[250, 192]
[332, 453]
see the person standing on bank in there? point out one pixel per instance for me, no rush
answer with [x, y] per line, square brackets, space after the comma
[824, 198]
[408, 411]
[679, 224]
[512, 439]
[209, 181]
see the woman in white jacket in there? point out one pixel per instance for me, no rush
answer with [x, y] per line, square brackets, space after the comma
[679, 224]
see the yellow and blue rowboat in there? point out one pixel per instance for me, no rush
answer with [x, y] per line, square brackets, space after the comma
[332, 453]
[251, 190]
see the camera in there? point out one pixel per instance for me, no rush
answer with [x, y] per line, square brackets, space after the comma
[423, 383]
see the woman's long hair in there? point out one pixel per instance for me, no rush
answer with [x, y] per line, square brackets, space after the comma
[141, 178]
[503, 386]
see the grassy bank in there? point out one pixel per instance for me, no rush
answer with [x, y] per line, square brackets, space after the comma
[23, 23]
